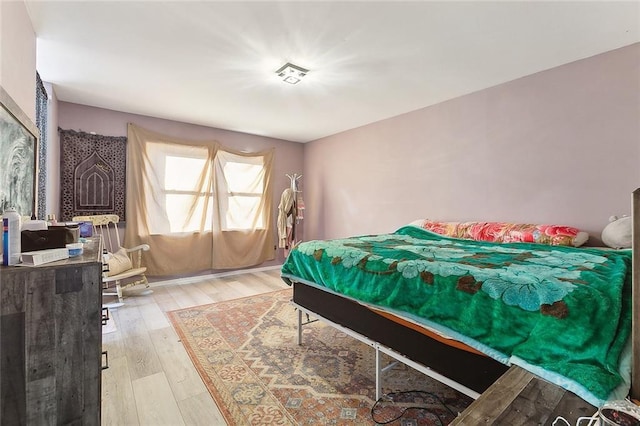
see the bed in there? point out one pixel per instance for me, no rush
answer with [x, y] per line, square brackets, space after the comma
[463, 311]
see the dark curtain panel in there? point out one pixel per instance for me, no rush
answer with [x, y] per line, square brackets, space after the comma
[42, 107]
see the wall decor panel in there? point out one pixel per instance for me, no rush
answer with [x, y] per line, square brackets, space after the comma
[92, 174]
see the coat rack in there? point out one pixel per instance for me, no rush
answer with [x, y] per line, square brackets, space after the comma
[294, 181]
[290, 213]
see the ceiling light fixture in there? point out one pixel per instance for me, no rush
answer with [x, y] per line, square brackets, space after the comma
[291, 74]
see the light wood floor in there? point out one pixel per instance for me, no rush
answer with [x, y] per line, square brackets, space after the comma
[150, 379]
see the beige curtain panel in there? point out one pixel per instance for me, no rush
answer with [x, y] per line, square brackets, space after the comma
[199, 206]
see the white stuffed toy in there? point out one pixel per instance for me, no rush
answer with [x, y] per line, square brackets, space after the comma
[617, 233]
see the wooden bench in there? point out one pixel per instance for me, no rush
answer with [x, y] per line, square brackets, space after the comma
[521, 398]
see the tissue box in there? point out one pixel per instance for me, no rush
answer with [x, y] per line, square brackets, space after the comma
[54, 237]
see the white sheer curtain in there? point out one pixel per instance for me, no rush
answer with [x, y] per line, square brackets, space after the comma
[198, 205]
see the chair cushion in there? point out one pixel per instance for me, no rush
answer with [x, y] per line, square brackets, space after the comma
[118, 262]
[136, 272]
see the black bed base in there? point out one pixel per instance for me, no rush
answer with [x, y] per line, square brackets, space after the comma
[474, 371]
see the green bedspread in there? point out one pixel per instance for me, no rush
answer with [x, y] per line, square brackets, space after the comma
[561, 310]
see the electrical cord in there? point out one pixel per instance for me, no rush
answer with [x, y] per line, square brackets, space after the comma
[384, 414]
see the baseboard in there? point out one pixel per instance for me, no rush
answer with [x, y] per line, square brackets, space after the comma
[197, 278]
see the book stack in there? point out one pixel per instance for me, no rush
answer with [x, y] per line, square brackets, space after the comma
[35, 258]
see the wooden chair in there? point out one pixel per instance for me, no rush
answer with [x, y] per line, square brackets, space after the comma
[124, 264]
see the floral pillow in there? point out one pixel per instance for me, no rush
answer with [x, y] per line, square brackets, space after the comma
[502, 232]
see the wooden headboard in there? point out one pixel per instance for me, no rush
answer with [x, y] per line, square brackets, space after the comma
[635, 296]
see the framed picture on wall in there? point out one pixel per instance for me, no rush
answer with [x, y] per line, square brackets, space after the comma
[18, 158]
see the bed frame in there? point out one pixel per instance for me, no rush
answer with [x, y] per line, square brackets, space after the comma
[464, 371]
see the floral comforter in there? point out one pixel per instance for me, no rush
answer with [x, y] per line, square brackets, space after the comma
[560, 312]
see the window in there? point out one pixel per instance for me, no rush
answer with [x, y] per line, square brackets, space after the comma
[241, 184]
[180, 193]
[183, 191]
[182, 172]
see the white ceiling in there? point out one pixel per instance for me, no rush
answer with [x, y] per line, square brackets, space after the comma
[212, 63]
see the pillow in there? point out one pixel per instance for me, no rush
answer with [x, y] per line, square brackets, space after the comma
[118, 262]
[502, 232]
[617, 234]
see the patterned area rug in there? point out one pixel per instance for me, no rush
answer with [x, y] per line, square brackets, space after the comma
[247, 354]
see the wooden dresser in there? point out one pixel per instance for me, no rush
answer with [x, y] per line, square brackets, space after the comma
[51, 341]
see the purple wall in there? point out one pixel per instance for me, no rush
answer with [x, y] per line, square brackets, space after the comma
[289, 156]
[559, 146]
